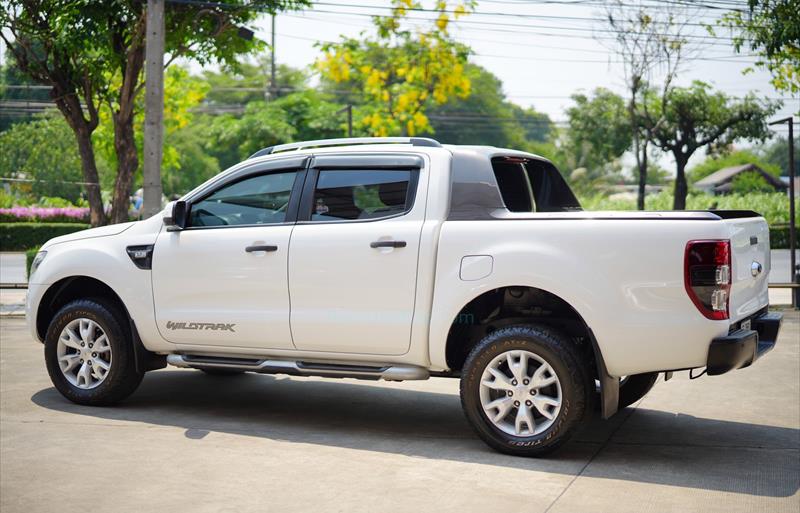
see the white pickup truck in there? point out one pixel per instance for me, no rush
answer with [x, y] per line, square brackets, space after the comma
[402, 259]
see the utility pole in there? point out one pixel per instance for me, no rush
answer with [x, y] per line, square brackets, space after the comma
[792, 228]
[154, 107]
[273, 86]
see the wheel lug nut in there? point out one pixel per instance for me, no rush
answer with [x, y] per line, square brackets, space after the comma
[525, 381]
[94, 355]
[81, 360]
[510, 393]
[514, 382]
[528, 403]
[89, 361]
[83, 344]
[91, 345]
[516, 403]
[533, 392]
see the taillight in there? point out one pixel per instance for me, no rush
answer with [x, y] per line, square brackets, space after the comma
[707, 276]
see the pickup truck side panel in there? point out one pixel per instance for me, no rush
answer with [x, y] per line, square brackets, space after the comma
[101, 255]
[624, 277]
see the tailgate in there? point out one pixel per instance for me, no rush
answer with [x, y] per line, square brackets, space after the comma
[750, 262]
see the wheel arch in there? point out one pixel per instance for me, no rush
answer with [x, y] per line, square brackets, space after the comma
[75, 287]
[507, 305]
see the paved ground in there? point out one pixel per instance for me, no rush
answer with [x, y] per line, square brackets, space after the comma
[190, 442]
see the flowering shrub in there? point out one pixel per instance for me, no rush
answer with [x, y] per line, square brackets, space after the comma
[44, 214]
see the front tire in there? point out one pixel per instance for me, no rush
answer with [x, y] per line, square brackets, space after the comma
[524, 390]
[89, 355]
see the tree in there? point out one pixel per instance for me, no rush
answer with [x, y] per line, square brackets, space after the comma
[771, 28]
[250, 82]
[304, 115]
[486, 116]
[647, 39]
[599, 131]
[182, 93]
[400, 73]
[696, 117]
[42, 150]
[777, 153]
[745, 183]
[91, 53]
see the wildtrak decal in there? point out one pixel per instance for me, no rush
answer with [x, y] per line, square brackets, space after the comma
[200, 326]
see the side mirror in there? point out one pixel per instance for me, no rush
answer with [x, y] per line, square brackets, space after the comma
[175, 215]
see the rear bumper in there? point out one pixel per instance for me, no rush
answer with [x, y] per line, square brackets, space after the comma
[742, 347]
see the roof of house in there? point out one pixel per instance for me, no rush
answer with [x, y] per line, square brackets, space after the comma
[724, 176]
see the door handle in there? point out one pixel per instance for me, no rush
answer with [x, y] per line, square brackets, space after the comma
[250, 249]
[388, 244]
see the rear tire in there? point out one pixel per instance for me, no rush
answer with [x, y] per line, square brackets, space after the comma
[635, 387]
[89, 354]
[537, 415]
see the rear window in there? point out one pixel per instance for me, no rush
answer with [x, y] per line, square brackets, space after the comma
[529, 185]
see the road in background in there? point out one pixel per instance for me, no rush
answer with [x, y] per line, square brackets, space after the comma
[12, 267]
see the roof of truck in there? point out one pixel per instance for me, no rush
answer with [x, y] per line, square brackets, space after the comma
[387, 143]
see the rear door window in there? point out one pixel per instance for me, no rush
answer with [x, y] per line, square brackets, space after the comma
[361, 194]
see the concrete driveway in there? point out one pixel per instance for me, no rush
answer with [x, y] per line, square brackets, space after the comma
[190, 442]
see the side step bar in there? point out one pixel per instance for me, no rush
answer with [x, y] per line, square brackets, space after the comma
[299, 368]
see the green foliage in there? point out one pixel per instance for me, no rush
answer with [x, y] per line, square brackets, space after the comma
[226, 86]
[298, 116]
[777, 153]
[771, 29]
[779, 236]
[92, 52]
[182, 93]
[599, 132]
[43, 150]
[23, 236]
[14, 199]
[774, 206]
[30, 254]
[750, 181]
[714, 163]
[400, 73]
[690, 118]
[486, 116]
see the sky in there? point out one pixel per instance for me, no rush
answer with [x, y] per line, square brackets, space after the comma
[543, 51]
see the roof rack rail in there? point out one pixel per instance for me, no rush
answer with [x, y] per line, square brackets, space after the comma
[347, 141]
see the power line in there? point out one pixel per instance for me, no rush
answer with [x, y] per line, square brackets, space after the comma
[479, 13]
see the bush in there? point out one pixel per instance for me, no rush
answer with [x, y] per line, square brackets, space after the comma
[779, 236]
[23, 236]
[774, 206]
[44, 214]
[29, 256]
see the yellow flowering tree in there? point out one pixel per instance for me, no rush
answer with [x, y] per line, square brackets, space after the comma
[400, 72]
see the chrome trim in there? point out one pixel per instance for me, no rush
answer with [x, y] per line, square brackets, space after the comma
[389, 372]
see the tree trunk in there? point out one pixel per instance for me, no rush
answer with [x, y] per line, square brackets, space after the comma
[127, 164]
[681, 187]
[97, 217]
[641, 163]
[642, 177]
